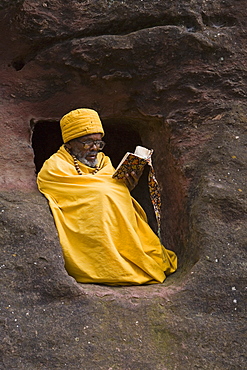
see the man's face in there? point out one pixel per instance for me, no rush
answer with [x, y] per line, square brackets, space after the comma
[86, 156]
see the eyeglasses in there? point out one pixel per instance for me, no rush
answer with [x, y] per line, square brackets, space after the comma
[88, 144]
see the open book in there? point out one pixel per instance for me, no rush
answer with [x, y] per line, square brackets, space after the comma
[133, 162]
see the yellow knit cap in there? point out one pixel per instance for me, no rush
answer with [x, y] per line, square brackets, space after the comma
[80, 122]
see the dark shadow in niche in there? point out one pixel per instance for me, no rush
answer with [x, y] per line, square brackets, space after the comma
[119, 137]
[46, 140]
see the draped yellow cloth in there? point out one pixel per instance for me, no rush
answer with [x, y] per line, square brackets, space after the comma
[103, 231]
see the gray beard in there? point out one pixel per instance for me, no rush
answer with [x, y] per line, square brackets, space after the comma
[83, 160]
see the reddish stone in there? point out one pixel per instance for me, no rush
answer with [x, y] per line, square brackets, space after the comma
[168, 74]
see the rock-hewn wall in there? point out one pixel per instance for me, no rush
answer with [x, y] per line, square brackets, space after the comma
[172, 76]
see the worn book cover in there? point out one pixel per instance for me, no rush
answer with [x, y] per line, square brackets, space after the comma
[133, 162]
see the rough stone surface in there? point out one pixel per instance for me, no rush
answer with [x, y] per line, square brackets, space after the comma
[172, 75]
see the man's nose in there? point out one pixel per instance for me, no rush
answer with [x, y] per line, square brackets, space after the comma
[93, 147]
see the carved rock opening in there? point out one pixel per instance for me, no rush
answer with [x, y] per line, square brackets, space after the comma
[122, 135]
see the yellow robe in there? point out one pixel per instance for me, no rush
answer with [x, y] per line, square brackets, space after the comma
[103, 231]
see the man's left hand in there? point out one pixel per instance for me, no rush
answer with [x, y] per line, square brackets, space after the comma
[131, 179]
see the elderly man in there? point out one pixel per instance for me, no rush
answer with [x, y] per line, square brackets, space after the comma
[103, 231]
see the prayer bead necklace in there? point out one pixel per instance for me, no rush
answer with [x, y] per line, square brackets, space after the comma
[77, 167]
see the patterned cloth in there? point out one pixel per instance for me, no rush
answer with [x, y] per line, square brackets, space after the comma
[155, 194]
